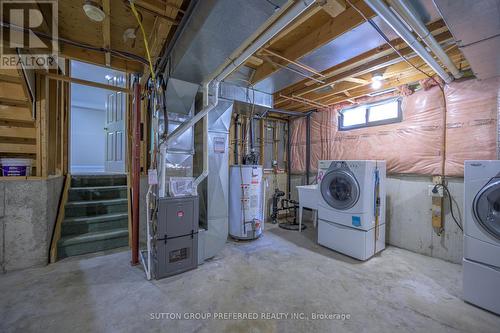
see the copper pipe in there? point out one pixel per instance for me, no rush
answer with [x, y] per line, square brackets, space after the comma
[136, 171]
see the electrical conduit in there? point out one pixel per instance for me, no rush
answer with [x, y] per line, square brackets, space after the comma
[382, 10]
[408, 13]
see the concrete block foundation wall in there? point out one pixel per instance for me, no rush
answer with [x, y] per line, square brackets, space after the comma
[28, 211]
[408, 216]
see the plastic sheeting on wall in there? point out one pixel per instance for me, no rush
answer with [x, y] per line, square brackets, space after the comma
[415, 145]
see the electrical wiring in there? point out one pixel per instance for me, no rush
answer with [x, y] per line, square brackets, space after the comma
[388, 41]
[121, 54]
[441, 87]
[276, 7]
[434, 190]
[146, 44]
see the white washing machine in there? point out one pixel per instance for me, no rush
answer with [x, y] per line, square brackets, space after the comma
[481, 263]
[351, 210]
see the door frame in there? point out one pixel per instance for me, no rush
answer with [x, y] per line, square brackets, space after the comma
[68, 78]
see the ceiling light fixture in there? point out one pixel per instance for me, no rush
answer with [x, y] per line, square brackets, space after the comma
[129, 34]
[94, 11]
[376, 84]
[377, 80]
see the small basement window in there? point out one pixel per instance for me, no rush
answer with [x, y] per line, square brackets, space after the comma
[374, 114]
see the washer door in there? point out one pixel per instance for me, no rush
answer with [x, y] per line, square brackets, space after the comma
[340, 189]
[486, 208]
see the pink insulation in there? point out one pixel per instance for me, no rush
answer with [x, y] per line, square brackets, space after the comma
[473, 107]
[413, 146]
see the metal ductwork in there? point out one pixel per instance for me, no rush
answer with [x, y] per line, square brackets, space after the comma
[219, 36]
[214, 190]
[382, 10]
[214, 31]
[405, 9]
[475, 25]
[246, 95]
[177, 155]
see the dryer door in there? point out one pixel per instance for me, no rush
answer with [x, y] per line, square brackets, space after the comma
[340, 189]
[486, 207]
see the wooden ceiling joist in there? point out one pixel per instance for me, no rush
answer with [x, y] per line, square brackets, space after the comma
[305, 101]
[356, 80]
[96, 57]
[158, 37]
[353, 65]
[363, 68]
[397, 75]
[314, 9]
[75, 26]
[156, 11]
[323, 34]
[296, 63]
[159, 6]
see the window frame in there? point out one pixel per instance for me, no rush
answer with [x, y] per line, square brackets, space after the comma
[368, 123]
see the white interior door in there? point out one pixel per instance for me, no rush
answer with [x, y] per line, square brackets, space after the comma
[115, 132]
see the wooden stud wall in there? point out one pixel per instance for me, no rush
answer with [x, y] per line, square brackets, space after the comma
[52, 110]
[17, 127]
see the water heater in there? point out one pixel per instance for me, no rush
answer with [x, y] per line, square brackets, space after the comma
[246, 201]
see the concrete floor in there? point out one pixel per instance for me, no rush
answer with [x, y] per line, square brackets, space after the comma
[283, 272]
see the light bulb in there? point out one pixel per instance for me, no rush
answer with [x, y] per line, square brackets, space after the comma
[376, 84]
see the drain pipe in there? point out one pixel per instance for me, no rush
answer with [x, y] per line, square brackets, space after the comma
[227, 68]
[381, 9]
[408, 13]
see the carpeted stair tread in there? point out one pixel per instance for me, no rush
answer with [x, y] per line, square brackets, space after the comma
[96, 219]
[92, 237]
[96, 202]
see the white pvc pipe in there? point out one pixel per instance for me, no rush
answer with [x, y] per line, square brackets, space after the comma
[229, 66]
[225, 70]
[148, 235]
[381, 9]
[408, 13]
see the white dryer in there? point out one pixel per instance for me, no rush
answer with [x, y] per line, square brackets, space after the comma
[481, 263]
[351, 210]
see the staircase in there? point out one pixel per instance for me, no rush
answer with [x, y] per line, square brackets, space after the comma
[96, 215]
[17, 126]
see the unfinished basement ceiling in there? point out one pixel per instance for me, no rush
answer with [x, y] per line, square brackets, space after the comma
[325, 58]
[159, 19]
[477, 33]
[355, 42]
[221, 27]
[348, 45]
